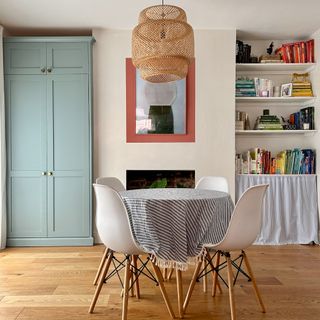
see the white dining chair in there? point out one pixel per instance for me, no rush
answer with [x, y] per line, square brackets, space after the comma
[213, 183]
[117, 185]
[218, 184]
[115, 232]
[243, 229]
[111, 182]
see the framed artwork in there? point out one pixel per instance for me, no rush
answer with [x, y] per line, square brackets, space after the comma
[286, 90]
[160, 112]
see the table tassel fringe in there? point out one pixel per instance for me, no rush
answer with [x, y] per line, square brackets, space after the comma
[183, 266]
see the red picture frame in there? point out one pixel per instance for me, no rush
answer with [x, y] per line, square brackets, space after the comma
[189, 136]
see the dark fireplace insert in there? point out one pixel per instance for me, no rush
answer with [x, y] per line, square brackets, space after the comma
[144, 179]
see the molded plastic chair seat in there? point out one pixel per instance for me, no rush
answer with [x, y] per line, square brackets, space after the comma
[114, 230]
[242, 231]
[213, 183]
[117, 185]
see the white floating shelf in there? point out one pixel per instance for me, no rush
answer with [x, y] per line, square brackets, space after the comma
[276, 175]
[275, 132]
[275, 67]
[275, 99]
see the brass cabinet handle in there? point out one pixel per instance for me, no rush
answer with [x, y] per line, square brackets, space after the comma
[43, 173]
[49, 70]
[50, 173]
[43, 70]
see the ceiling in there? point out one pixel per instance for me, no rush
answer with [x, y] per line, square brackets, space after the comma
[265, 19]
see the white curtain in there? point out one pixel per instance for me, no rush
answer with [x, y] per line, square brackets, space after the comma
[290, 210]
[3, 213]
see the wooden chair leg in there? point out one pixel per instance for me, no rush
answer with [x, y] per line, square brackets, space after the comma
[170, 274]
[254, 283]
[103, 259]
[179, 292]
[126, 289]
[230, 285]
[165, 273]
[205, 280]
[163, 290]
[131, 278]
[101, 280]
[215, 277]
[191, 286]
[136, 277]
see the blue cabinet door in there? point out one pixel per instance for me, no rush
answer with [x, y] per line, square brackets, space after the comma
[25, 58]
[68, 156]
[64, 58]
[27, 155]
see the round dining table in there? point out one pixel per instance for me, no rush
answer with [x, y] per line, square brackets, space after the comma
[173, 224]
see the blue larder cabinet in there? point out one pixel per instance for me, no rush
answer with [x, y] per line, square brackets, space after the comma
[48, 113]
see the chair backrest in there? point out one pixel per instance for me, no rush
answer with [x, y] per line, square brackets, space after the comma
[213, 183]
[245, 222]
[113, 221]
[111, 182]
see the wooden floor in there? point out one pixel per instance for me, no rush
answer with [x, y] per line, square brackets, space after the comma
[56, 283]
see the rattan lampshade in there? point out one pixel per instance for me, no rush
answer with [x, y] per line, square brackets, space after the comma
[162, 44]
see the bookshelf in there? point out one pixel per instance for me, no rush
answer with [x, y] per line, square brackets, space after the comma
[282, 216]
[279, 73]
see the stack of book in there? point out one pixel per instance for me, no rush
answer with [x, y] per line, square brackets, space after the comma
[268, 122]
[245, 88]
[270, 58]
[303, 119]
[243, 52]
[297, 52]
[301, 89]
[259, 161]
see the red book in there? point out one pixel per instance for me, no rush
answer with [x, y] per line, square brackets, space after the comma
[291, 119]
[310, 50]
[303, 52]
[289, 52]
[296, 52]
[283, 54]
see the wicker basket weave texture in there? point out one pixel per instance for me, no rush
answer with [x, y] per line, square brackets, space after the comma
[162, 44]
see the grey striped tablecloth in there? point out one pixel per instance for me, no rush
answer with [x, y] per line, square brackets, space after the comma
[173, 224]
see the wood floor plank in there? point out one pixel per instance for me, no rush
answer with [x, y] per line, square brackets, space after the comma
[55, 283]
[51, 300]
[10, 313]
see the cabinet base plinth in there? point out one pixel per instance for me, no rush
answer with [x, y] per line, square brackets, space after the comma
[43, 242]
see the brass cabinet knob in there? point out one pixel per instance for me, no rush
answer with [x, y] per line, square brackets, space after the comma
[50, 173]
[49, 70]
[43, 173]
[43, 70]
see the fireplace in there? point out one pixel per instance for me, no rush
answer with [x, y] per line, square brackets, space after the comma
[144, 179]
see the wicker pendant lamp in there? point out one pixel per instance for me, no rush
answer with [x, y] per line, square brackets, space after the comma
[162, 44]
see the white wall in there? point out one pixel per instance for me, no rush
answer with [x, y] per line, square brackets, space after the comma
[214, 149]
